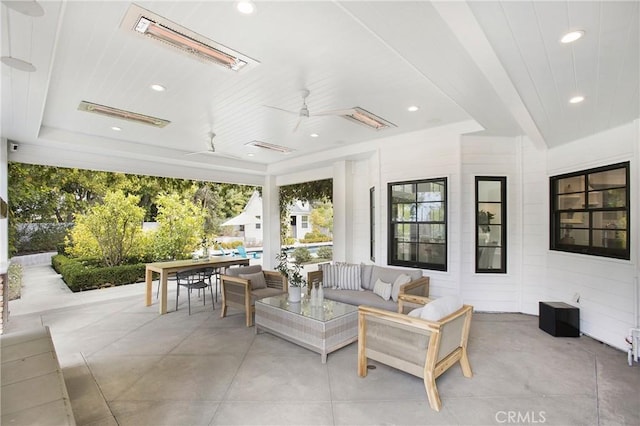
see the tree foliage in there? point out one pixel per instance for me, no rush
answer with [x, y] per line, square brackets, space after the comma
[180, 228]
[44, 194]
[109, 231]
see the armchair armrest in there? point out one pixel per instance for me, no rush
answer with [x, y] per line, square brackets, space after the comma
[240, 284]
[275, 279]
[410, 301]
[395, 317]
[419, 287]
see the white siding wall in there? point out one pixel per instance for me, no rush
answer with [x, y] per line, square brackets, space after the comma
[486, 156]
[607, 287]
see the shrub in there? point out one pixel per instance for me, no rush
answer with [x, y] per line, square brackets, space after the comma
[40, 237]
[87, 274]
[302, 255]
[325, 252]
[315, 237]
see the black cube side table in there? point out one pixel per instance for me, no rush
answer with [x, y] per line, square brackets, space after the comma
[559, 319]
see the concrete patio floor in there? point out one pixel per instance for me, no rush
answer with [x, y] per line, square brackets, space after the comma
[126, 365]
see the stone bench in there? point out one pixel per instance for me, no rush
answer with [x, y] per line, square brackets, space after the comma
[33, 388]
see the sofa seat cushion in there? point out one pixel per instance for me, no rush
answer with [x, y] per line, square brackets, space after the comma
[356, 297]
[264, 292]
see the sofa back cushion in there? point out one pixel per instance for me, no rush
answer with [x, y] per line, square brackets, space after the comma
[365, 281]
[389, 275]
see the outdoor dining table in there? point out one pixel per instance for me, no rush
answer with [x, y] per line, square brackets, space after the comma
[171, 267]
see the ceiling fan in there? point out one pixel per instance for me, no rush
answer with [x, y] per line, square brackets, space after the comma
[303, 113]
[211, 150]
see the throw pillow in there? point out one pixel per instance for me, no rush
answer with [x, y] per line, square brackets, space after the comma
[349, 277]
[415, 313]
[257, 280]
[329, 275]
[440, 308]
[401, 280]
[382, 289]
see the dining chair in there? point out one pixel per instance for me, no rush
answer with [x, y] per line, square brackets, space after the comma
[194, 279]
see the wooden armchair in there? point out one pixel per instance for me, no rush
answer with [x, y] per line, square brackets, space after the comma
[417, 346]
[238, 290]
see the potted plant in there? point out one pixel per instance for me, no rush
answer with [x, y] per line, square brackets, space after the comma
[293, 274]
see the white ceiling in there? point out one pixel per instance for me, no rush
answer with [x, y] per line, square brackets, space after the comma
[498, 63]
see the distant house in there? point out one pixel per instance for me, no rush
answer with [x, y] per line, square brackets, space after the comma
[300, 220]
[248, 224]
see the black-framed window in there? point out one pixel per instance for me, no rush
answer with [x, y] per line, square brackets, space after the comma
[372, 223]
[491, 224]
[590, 211]
[418, 224]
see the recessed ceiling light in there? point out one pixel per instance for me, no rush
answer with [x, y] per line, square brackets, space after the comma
[572, 36]
[314, 135]
[576, 99]
[251, 154]
[246, 7]
[158, 87]
[116, 128]
[413, 108]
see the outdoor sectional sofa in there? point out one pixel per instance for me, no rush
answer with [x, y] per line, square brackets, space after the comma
[370, 285]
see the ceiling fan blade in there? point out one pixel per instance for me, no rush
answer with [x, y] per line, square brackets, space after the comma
[222, 154]
[295, 129]
[335, 112]
[283, 110]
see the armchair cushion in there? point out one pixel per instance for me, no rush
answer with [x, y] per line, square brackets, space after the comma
[438, 308]
[257, 280]
[235, 272]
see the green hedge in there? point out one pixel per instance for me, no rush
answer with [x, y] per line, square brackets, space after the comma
[315, 237]
[86, 274]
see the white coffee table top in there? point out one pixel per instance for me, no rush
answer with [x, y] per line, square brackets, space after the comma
[329, 310]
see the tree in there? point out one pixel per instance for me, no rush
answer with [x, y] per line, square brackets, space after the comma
[180, 228]
[322, 217]
[109, 231]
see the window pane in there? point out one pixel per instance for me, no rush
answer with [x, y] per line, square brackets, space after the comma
[489, 213]
[402, 193]
[608, 179]
[608, 198]
[431, 253]
[489, 235]
[432, 233]
[571, 201]
[431, 191]
[574, 218]
[489, 191]
[431, 212]
[610, 220]
[610, 239]
[489, 257]
[571, 184]
[405, 212]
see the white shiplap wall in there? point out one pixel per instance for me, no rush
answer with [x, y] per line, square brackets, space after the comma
[607, 287]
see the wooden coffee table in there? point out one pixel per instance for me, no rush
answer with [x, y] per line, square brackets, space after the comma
[322, 329]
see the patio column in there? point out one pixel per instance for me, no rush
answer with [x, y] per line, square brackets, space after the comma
[270, 222]
[342, 211]
[4, 235]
